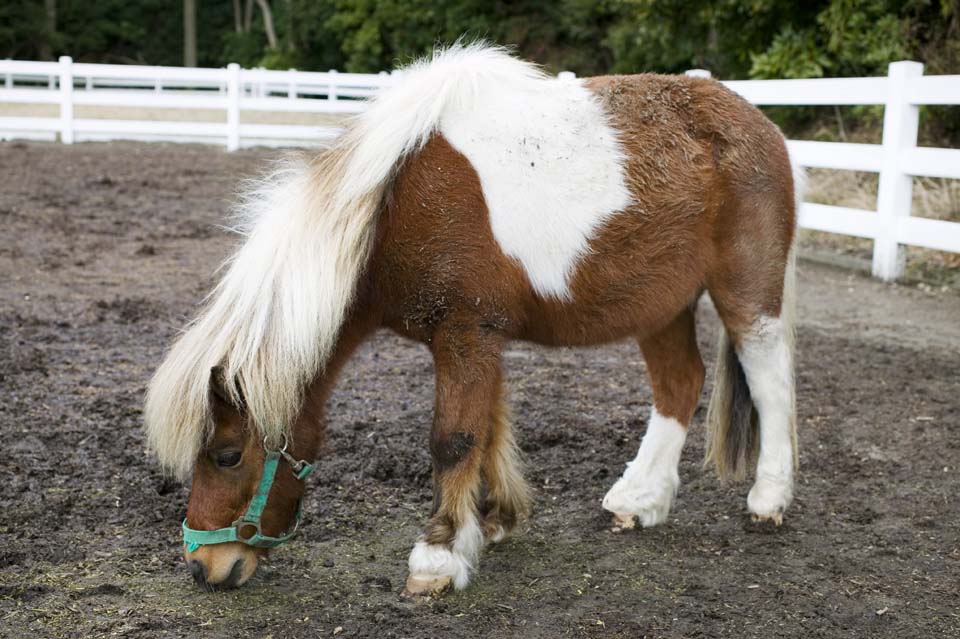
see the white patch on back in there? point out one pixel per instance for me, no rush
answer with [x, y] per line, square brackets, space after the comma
[551, 169]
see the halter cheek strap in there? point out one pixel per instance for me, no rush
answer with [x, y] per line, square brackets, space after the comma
[246, 530]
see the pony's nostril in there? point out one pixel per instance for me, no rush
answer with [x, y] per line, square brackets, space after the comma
[199, 572]
[234, 577]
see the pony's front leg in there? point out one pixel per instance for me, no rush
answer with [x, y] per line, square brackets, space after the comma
[645, 491]
[467, 363]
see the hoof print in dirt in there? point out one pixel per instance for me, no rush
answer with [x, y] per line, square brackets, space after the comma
[379, 582]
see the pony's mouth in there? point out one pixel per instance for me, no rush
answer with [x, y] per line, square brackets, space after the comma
[199, 572]
[222, 571]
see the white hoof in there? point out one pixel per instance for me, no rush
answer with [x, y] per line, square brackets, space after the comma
[646, 490]
[496, 535]
[769, 498]
[644, 499]
[433, 567]
[432, 564]
[418, 586]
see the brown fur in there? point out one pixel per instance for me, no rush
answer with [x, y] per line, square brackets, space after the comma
[508, 497]
[713, 210]
[675, 368]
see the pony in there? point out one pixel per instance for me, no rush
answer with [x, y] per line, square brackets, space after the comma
[475, 202]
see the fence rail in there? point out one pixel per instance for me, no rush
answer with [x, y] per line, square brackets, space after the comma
[234, 91]
[229, 92]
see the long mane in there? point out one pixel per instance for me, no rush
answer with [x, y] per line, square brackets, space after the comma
[274, 317]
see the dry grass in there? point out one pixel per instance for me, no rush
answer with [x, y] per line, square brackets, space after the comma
[936, 198]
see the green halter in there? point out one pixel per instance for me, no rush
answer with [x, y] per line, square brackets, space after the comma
[246, 530]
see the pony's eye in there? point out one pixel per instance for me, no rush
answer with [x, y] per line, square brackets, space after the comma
[229, 459]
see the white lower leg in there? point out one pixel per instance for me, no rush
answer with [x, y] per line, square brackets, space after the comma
[767, 362]
[648, 485]
[433, 566]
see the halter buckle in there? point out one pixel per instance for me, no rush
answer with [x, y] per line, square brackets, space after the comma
[243, 529]
[301, 468]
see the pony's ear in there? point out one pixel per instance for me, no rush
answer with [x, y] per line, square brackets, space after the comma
[219, 390]
[216, 385]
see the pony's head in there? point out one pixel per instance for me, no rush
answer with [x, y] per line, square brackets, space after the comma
[246, 493]
[267, 333]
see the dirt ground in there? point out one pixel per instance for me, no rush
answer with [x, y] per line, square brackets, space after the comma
[105, 250]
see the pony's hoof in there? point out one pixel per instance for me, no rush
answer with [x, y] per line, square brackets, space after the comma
[775, 518]
[768, 499]
[623, 522]
[647, 506]
[495, 534]
[421, 586]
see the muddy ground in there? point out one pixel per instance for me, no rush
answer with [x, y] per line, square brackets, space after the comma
[105, 250]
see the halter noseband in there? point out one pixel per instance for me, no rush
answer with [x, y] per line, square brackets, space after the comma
[246, 530]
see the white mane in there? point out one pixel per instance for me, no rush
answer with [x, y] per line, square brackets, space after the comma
[273, 320]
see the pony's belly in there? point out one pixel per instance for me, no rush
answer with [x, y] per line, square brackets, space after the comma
[590, 324]
[629, 304]
[565, 332]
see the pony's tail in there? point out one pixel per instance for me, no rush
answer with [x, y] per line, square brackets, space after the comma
[788, 315]
[733, 426]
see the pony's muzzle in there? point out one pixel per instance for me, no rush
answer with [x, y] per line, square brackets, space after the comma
[221, 566]
[199, 572]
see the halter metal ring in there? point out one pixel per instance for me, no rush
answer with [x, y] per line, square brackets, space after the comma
[282, 449]
[242, 527]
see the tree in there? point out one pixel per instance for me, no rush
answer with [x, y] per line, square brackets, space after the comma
[268, 23]
[46, 45]
[732, 38]
[189, 33]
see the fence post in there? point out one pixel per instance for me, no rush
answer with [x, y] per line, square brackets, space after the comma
[895, 192]
[291, 83]
[233, 106]
[332, 93]
[566, 75]
[66, 99]
[8, 81]
[698, 73]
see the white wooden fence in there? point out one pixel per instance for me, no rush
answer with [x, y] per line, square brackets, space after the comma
[225, 92]
[234, 91]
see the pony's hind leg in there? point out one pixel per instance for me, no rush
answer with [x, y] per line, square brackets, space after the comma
[753, 411]
[507, 497]
[468, 379]
[645, 491]
[767, 359]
